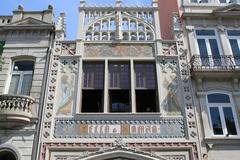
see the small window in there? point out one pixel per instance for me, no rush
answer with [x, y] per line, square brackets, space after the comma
[21, 80]
[222, 115]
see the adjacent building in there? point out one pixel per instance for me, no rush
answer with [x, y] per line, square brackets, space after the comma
[25, 44]
[212, 34]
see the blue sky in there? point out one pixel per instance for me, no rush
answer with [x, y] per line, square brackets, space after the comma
[70, 7]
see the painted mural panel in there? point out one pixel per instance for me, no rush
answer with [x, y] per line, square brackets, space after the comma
[170, 88]
[66, 86]
[119, 50]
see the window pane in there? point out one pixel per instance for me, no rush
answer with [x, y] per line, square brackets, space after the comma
[119, 75]
[228, 114]
[145, 75]
[23, 66]
[215, 52]
[216, 121]
[93, 75]
[202, 47]
[26, 84]
[119, 101]
[234, 46]
[205, 32]
[218, 98]
[14, 84]
[214, 47]
[233, 32]
[203, 52]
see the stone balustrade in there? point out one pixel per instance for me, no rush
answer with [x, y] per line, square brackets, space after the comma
[15, 110]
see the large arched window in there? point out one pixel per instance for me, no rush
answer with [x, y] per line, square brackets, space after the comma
[7, 155]
[21, 77]
[222, 114]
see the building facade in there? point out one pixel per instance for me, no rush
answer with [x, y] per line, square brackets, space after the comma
[157, 82]
[119, 91]
[212, 32]
[25, 43]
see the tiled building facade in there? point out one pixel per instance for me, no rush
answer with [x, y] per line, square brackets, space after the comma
[138, 83]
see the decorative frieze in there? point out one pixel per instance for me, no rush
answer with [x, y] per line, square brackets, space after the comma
[95, 150]
[118, 50]
[165, 128]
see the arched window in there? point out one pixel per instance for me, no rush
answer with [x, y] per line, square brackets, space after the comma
[7, 155]
[21, 77]
[222, 114]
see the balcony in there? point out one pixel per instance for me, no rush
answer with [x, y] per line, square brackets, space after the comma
[15, 110]
[224, 66]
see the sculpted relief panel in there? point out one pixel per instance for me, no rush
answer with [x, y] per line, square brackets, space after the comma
[119, 50]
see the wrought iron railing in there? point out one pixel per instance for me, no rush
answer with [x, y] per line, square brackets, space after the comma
[220, 62]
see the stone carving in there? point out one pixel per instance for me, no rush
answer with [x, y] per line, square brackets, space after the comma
[119, 50]
[68, 49]
[66, 87]
[119, 143]
[131, 147]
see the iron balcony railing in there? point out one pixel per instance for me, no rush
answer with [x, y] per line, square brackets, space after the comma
[220, 62]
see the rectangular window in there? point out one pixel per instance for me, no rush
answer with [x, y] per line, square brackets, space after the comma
[21, 81]
[222, 114]
[93, 75]
[93, 85]
[208, 48]
[119, 75]
[119, 87]
[145, 80]
[216, 121]
[234, 40]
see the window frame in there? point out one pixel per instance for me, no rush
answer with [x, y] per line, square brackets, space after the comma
[209, 60]
[208, 37]
[220, 107]
[229, 37]
[21, 76]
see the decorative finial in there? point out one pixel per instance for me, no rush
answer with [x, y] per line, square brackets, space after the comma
[20, 7]
[61, 24]
[155, 3]
[50, 7]
[82, 3]
[118, 3]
